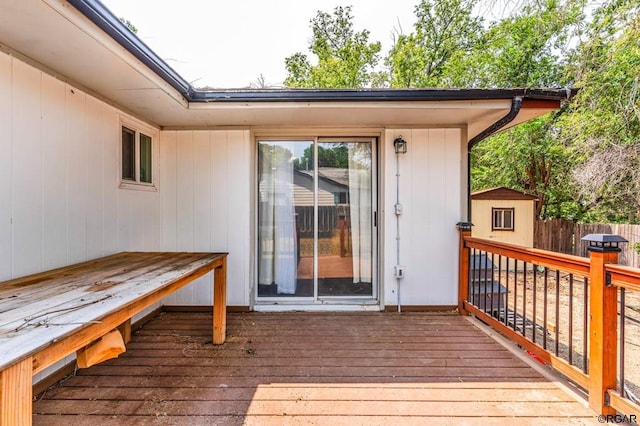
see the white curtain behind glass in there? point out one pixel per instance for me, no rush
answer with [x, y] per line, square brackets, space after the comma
[360, 210]
[277, 230]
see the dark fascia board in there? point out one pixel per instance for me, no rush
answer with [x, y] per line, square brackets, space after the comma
[377, 95]
[101, 16]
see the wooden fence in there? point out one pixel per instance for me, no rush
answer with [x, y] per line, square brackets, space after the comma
[564, 236]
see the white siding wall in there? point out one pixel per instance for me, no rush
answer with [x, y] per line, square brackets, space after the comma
[432, 196]
[60, 202]
[59, 176]
[214, 168]
[206, 206]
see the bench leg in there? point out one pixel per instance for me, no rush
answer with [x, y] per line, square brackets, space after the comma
[16, 394]
[125, 330]
[220, 303]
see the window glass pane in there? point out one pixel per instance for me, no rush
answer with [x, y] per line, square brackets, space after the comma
[145, 158]
[128, 154]
[508, 219]
[497, 219]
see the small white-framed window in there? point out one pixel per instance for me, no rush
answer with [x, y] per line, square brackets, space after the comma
[137, 152]
[502, 219]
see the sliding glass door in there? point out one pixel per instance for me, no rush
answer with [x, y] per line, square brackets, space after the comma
[316, 219]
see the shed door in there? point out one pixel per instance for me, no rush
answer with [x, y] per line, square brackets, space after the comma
[316, 219]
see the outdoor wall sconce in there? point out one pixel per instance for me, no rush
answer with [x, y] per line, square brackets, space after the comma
[604, 242]
[400, 145]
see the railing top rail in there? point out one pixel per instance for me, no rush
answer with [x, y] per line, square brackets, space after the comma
[624, 276]
[564, 262]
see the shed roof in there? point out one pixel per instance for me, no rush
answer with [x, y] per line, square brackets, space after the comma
[501, 193]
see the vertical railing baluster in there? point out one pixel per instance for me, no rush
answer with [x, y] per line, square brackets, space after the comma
[571, 319]
[535, 300]
[557, 342]
[515, 294]
[621, 334]
[499, 286]
[486, 273]
[506, 298]
[544, 312]
[492, 279]
[476, 276]
[585, 328]
[524, 299]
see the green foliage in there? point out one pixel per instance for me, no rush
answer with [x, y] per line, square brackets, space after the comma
[345, 58]
[129, 25]
[524, 51]
[334, 156]
[445, 29]
[582, 162]
[603, 125]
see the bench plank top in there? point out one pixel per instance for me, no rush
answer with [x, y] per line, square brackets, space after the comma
[39, 310]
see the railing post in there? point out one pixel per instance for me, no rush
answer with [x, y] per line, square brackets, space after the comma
[603, 316]
[464, 230]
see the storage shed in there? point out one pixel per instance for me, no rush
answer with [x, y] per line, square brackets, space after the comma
[503, 214]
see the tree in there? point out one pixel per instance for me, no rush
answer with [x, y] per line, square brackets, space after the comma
[444, 30]
[603, 125]
[582, 162]
[525, 50]
[529, 158]
[345, 58]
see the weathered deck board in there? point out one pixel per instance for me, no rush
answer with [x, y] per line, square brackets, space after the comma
[311, 368]
[30, 323]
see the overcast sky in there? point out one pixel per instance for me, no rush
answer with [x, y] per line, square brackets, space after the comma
[230, 43]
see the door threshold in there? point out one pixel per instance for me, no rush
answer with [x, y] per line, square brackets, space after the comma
[318, 307]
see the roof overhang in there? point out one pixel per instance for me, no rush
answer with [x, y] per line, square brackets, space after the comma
[82, 42]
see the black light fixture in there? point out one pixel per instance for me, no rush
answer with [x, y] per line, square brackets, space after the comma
[464, 226]
[604, 242]
[400, 145]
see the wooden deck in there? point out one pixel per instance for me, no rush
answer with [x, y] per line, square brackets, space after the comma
[311, 368]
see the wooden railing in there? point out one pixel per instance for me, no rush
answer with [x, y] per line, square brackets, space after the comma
[567, 311]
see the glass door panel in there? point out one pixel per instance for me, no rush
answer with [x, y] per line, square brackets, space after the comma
[345, 219]
[285, 219]
[316, 207]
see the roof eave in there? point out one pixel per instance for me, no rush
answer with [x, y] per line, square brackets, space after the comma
[101, 16]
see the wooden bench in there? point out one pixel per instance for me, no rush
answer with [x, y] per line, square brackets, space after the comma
[48, 316]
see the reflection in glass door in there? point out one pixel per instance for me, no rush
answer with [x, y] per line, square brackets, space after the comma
[316, 218]
[345, 219]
